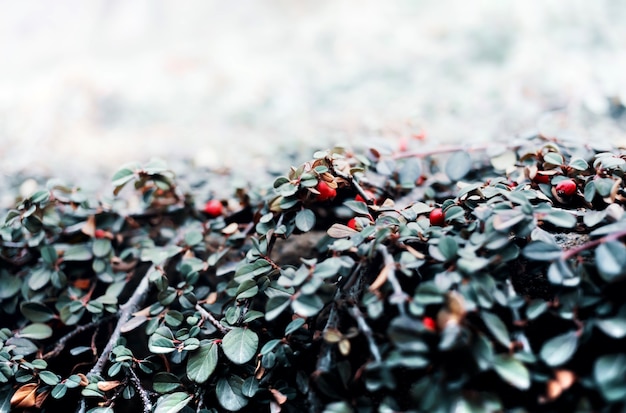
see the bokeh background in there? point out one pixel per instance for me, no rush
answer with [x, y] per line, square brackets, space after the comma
[86, 86]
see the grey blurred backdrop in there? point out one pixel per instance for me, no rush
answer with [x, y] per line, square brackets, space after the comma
[88, 85]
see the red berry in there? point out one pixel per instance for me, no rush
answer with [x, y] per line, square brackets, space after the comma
[352, 223]
[100, 233]
[369, 194]
[326, 192]
[429, 323]
[437, 217]
[213, 208]
[542, 179]
[566, 188]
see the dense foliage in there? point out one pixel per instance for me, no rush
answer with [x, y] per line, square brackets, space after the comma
[335, 289]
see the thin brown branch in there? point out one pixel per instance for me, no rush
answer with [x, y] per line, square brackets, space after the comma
[208, 316]
[58, 348]
[399, 297]
[143, 393]
[443, 149]
[357, 186]
[355, 312]
[591, 244]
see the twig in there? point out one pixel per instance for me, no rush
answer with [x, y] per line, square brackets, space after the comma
[213, 320]
[588, 245]
[143, 393]
[366, 330]
[356, 186]
[125, 312]
[63, 340]
[444, 149]
[398, 296]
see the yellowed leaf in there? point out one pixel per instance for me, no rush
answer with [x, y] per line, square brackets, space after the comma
[380, 280]
[344, 347]
[565, 378]
[231, 229]
[415, 252]
[25, 396]
[340, 231]
[332, 335]
[89, 228]
[278, 396]
[108, 385]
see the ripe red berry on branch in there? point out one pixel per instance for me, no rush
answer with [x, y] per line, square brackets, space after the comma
[325, 191]
[566, 188]
[369, 194]
[429, 323]
[213, 208]
[437, 217]
[541, 178]
[352, 223]
[100, 233]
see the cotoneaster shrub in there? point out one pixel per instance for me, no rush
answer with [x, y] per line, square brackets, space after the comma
[335, 289]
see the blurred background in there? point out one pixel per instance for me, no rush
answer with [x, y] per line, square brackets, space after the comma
[86, 86]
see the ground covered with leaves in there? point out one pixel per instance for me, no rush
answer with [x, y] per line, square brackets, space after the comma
[478, 279]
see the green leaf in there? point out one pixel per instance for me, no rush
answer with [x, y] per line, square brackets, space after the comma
[48, 377]
[560, 273]
[307, 305]
[49, 255]
[611, 260]
[448, 247]
[172, 403]
[410, 172]
[36, 312]
[229, 393]
[604, 186]
[359, 207]
[542, 251]
[276, 305]
[202, 362]
[40, 278]
[458, 165]
[58, 391]
[165, 382]
[294, 325]
[609, 372]
[613, 327]
[79, 252]
[512, 371]
[102, 247]
[593, 218]
[497, 328]
[553, 158]
[578, 163]
[162, 341]
[36, 331]
[305, 220]
[561, 219]
[250, 386]
[249, 271]
[590, 191]
[240, 345]
[23, 346]
[559, 349]
[247, 289]
[10, 285]
[122, 177]
[328, 268]
[193, 238]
